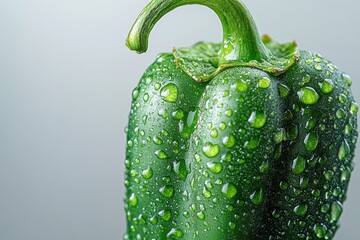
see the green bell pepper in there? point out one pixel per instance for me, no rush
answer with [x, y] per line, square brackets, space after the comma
[247, 139]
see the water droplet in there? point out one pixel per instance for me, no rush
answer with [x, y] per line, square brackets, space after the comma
[133, 200]
[206, 193]
[197, 158]
[145, 117]
[163, 113]
[336, 211]
[191, 118]
[231, 168]
[283, 90]
[226, 157]
[342, 98]
[252, 144]
[157, 86]
[211, 150]
[298, 165]
[222, 126]
[161, 154]
[345, 176]
[140, 220]
[214, 133]
[147, 173]
[257, 119]
[160, 58]
[311, 141]
[175, 233]
[135, 94]
[167, 191]
[218, 181]
[214, 167]
[127, 163]
[316, 193]
[301, 209]
[308, 95]
[130, 143]
[280, 136]
[208, 184]
[348, 129]
[283, 185]
[241, 85]
[264, 82]
[229, 190]
[318, 67]
[325, 208]
[336, 192]
[347, 79]
[344, 150]
[157, 140]
[153, 220]
[200, 215]
[166, 179]
[318, 60]
[232, 225]
[354, 108]
[226, 93]
[133, 173]
[178, 114]
[165, 215]
[146, 97]
[278, 151]
[340, 113]
[180, 169]
[230, 208]
[257, 197]
[320, 230]
[264, 167]
[304, 181]
[310, 124]
[327, 86]
[169, 93]
[228, 113]
[296, 191]
[186, 214]
[288, 115]
[148, 80]
[228, 141]
[136, 131]
[275, 213]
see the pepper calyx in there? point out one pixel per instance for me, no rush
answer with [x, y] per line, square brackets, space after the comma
[201, 61]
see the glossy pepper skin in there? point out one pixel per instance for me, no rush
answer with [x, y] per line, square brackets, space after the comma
[247, 139]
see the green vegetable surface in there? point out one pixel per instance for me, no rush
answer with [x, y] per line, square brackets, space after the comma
[247, 139]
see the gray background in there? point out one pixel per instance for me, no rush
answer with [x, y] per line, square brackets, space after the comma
[65, 85]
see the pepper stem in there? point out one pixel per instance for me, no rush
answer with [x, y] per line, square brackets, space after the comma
[241, 40]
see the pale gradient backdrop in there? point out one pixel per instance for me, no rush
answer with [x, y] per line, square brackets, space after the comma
[65, 84]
